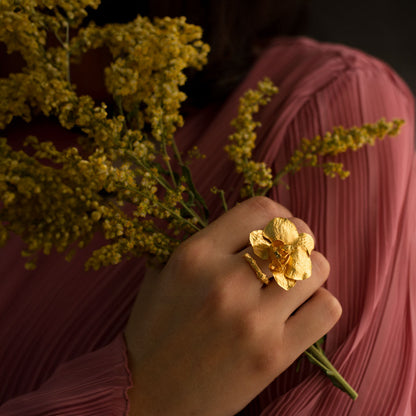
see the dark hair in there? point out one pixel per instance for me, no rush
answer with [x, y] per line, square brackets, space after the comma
[236, 30]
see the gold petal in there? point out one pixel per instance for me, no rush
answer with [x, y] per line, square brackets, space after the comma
[281, 229]
[260, 244]
[306, 241]
[283, 282]
[300, 266]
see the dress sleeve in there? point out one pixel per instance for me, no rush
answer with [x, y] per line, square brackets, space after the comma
[92, 384]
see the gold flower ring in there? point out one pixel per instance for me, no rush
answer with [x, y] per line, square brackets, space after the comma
[287, 250]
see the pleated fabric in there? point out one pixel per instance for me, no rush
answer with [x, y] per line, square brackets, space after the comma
[61, 344]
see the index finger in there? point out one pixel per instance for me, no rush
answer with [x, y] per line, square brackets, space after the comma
[230, 232]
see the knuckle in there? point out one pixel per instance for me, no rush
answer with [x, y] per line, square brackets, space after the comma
[270, 207]
[333, 309]
[220, 300]
[252, 333]
[222, 297]
[191, 254]
[264, 360]
[321, 265]
[302, 227]
[247, 326]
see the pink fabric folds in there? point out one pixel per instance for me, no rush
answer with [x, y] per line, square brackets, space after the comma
[61, 349]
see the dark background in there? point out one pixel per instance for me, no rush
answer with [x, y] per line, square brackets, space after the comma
[383, 28]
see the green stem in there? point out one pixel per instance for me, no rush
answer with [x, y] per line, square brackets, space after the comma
[59, 39]
[166, 185]
[178, 157]
[163, 206]
[177, 152]
[68, 55]
[158, 178]
[194, 214]
[276, 181]
[224, 202]
[279, 177]
[182, 165]
[317, 356]
[167, 161]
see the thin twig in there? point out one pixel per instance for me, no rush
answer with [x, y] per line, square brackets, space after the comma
[224, 202]
[68, 55]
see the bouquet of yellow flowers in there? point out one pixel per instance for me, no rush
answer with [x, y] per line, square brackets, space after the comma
[126, 177]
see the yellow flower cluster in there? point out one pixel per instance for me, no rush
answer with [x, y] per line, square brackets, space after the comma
[257, 176]
[24, 28]
[112, 181]
[147, 68]
[127, 177]
[338, 141]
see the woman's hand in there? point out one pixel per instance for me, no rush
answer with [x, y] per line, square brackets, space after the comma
[204, 337]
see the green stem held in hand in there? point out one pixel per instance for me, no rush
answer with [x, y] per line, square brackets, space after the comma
[316, 356]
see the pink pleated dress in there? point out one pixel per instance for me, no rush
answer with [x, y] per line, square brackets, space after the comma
[62, 350]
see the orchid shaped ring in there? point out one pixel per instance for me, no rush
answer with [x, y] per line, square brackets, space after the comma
[287, 251]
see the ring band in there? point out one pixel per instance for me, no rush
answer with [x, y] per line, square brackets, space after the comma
[260, 275]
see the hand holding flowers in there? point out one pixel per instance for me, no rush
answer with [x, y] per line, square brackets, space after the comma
[204, 338]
